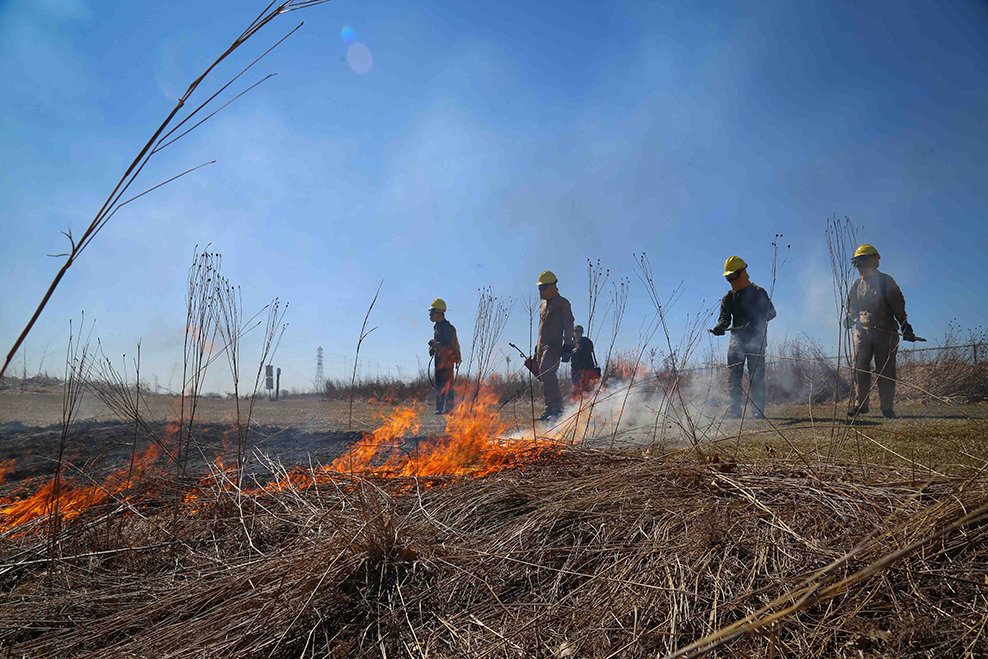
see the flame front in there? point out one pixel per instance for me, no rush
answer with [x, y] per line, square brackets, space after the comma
[72, 498]
[361, 456]
[473, 445]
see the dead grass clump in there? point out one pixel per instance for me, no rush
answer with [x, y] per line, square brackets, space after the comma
[957, 370]
[799, 371]
[381, 388]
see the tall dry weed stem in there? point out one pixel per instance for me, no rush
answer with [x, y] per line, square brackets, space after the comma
[163, 136]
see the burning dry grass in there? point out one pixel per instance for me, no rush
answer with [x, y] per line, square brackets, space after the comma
[594, 554]
[419, 548]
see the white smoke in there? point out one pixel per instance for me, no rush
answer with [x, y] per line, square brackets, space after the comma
[650, 410]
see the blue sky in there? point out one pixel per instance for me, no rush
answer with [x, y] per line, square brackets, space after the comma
[484, 144]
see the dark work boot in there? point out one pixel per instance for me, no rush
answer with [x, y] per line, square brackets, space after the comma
[856, 410]
[888, 414]
[550, 415]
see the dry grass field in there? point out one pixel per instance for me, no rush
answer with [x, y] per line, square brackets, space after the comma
[792, 537]
[929, 433]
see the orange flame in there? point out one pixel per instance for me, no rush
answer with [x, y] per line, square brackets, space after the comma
[473, 445]
[73, 498]
[360, 457]
[6, 466]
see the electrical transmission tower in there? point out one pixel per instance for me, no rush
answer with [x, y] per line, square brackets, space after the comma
[320, 379]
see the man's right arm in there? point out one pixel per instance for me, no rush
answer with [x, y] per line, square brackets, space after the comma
[896, 300]
[851, 308]
[897, 303]
[724, 321]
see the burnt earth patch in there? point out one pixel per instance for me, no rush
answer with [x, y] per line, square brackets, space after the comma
[107, 446]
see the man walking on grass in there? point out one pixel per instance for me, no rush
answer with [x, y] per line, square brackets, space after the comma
[875, 310]
[745, 312]
[555, 339]
[445, 347]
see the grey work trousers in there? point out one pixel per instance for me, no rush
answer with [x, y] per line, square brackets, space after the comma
[738, 352]
[548, 366]
[881, 346]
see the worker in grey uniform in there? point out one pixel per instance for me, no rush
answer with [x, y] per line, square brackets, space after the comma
[745, 312]
[876, 310]
[555, 339]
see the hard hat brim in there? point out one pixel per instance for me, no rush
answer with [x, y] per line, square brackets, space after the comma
[865, 250]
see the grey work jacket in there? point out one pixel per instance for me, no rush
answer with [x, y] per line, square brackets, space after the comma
[555, 323]
[875, 302]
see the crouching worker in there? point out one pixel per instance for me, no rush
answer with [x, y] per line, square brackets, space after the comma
[745, 312]
[876, 310]
[445, 347]
[583, 364]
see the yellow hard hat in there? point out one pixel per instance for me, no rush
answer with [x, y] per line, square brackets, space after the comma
[734, 264]
[547, 277]
[438, 304]
[865, 250]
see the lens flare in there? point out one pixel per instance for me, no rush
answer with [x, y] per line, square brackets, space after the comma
[359, 57]
[347, 34]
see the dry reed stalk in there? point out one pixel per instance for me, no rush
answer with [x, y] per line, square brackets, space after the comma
[158, 141]
[489, 323]
[201, 328]
[532, 306]
[274, 331]
[364, 333]
[841, 242]
[76, 365]
[618, 305]
[694, 332]
[597, 278]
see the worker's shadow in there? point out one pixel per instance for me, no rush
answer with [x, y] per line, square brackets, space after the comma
[935, 417]
[782, 423]
[861, 422]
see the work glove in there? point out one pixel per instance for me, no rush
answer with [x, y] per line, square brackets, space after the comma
[718, 331]
[907, 332]
[848, 322]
